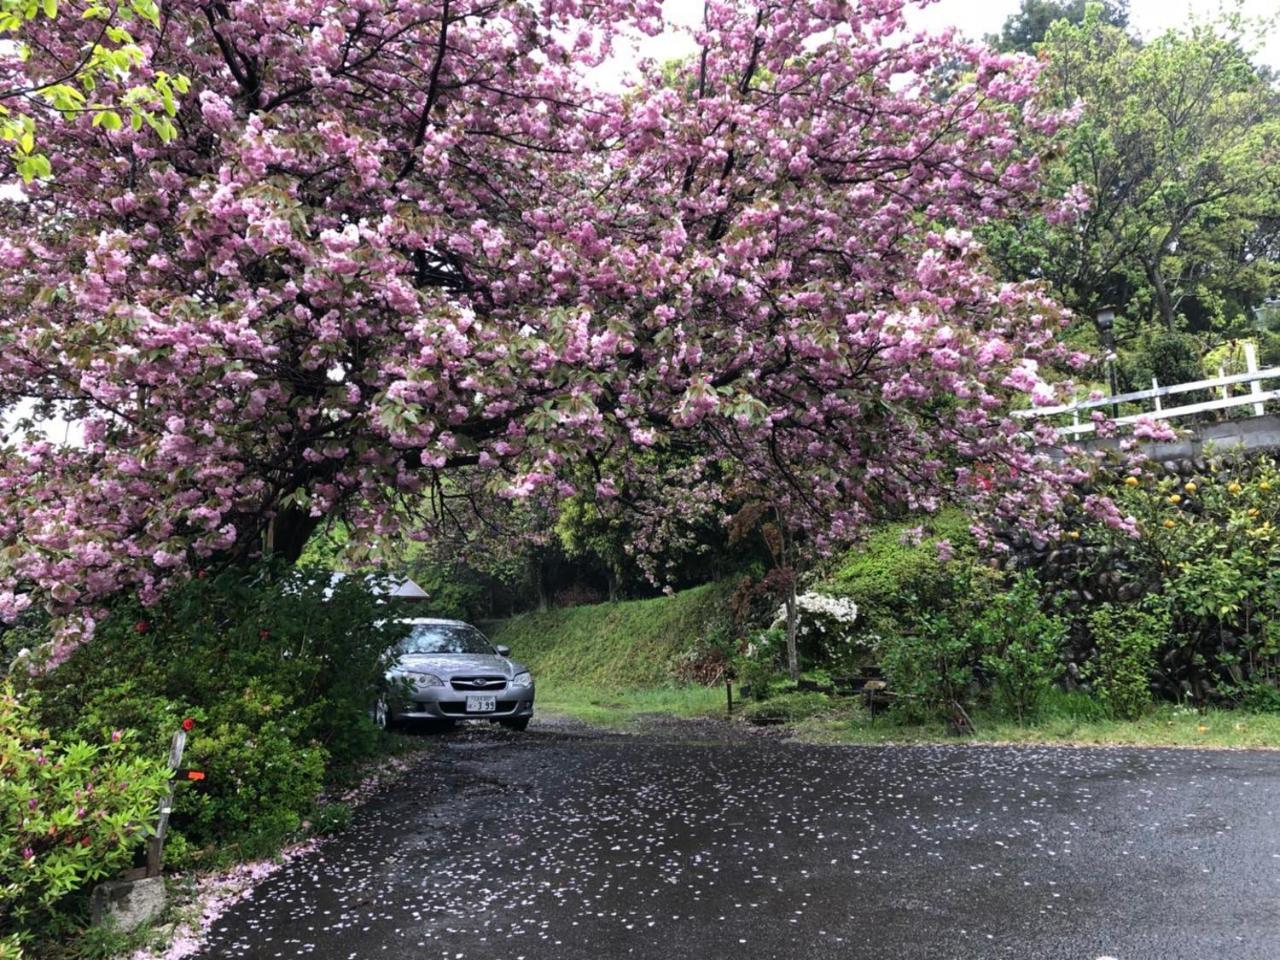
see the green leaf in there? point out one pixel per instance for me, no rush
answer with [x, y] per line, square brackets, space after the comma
[107, 119]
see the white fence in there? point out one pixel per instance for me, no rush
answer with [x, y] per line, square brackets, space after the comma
[1256, 397]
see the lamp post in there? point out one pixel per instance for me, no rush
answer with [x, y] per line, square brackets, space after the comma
[1106, 321]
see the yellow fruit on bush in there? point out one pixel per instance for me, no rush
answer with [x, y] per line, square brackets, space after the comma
[1170, 524]
[1175, 499]
[1130, 481]
[1234, 487]
[1190, 487]
[1253, 512]
[1264, 486]
[1073, 534]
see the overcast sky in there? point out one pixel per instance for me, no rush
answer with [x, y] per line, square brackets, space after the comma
[977, 18]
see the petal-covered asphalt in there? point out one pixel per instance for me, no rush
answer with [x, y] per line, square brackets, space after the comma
[686, 842]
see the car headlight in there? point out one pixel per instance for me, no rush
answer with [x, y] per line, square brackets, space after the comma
[416, 678]
[522, 680]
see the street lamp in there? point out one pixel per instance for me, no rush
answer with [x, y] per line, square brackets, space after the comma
[1106, 322]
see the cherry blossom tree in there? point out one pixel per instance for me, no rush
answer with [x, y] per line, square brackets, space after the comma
[405, 251]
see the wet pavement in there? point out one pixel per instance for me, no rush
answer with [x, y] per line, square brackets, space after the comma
[690, 841]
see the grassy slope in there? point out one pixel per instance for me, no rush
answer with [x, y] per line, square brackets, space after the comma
[606, 661]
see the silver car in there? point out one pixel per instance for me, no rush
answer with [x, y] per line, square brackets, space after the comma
[446, 670]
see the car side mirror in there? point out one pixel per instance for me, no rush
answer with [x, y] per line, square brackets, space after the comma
[503, 651]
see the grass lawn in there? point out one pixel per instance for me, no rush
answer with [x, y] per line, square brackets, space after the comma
[1165, 726]
[1067, 720]
[617, 708]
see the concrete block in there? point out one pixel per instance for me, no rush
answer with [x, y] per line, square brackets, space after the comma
[127, 903]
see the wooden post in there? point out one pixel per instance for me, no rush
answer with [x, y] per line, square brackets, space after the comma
[1224, 389]
[728, 693]
[1251, 364]
[1155, 385]
[155, 846]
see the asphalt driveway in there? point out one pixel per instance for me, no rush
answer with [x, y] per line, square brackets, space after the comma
[689, 842]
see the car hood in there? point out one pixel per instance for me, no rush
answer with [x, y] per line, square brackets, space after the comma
[455, 664]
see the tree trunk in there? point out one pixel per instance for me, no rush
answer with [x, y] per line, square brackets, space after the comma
[288, 533]
[613, 584]
[539, 583]
[793, 625]
[1164, 301]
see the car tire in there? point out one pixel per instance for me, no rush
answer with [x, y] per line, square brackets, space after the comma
[519, 724]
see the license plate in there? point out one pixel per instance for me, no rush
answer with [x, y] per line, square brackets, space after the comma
[482, 704]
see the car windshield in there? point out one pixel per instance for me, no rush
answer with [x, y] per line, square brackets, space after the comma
[442, 638]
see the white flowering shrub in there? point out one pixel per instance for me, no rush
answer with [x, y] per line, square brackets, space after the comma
[825, 632]
[820, 611]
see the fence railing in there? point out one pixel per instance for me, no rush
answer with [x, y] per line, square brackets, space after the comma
[1256, 397]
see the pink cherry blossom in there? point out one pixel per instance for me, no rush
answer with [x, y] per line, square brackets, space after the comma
[402, 252]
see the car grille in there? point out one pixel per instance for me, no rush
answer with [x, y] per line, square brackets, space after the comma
[479, 684]
[503, 706]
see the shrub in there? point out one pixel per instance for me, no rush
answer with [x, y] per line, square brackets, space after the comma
[1020, 647]
[825, 631]
[277, 669]
[900, 568]
[710, 658]
[262, 776]
[73, 813]
[926, 650]
[1258, 697]
[928, 666]
[1169, 357]
[759, 674]
[1210, 544]
[1126, 640]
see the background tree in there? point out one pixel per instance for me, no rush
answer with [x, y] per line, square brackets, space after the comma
[1173, 163]
[1024, 30]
